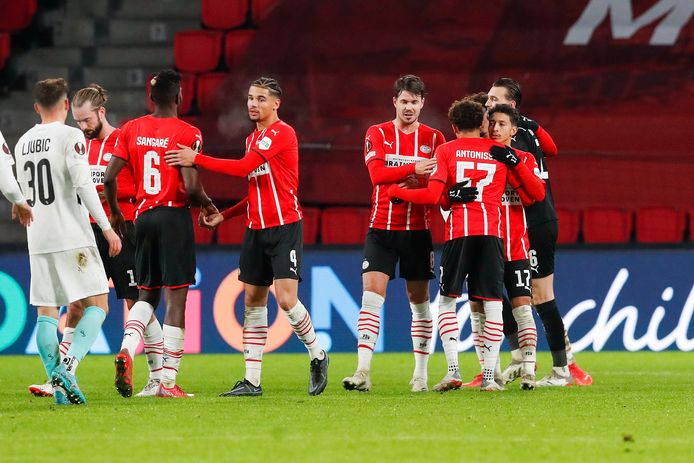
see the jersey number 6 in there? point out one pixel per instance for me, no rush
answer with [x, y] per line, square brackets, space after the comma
[152, 176]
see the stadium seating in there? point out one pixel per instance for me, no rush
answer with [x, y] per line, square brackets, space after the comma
[187, 92]
[311, 224]
[607, 225]
[207, 91]
[16, 14]
[197, 51]
[231, 231]
[235, 45]
[569, 225]
[202, 235]
[223, 14]
[344, 225]
[659, 225]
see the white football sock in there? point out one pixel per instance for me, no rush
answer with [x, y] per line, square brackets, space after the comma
[138, 319]
[66, 342]
[300, 320]
[448, 331]
[493, 334]
[254, 338]
[421, 330]
[174, 338]
[476, 331]
[527, 337]
[368, 327]
[154, 347]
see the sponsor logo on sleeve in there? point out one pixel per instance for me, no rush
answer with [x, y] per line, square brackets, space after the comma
[80, 148]
[265, 143]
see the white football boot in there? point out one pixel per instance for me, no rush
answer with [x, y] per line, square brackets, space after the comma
[559, 377]
[42, 390]
[360, 381]
[150, 389]
[419, 384]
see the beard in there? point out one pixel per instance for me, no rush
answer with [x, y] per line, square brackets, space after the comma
[93, 133]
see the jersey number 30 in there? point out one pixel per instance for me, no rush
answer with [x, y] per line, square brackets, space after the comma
[152, 176]
[40, 181]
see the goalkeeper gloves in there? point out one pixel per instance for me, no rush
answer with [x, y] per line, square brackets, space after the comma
[506, 154]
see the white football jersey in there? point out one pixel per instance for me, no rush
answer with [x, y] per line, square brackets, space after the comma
[53, 173]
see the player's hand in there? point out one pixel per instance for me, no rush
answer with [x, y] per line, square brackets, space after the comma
[411, 182]
[24, 213]
[425, 167]
[391, 193]
[506, 154]
[117, 222]
[114, 242]
[183, 157]
[459, 193]
[527, 123]
[212, 221]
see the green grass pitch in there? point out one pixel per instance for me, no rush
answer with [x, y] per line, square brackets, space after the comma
[641, 408]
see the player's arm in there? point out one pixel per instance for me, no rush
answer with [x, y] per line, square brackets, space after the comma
[431, 195]
[186, 157]
[78, 168]
[213, 220]
[10, 188]
[115, 165]
[195, 191]
[547, 144]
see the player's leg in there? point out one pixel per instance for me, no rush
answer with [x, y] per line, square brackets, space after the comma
[255, 271]
[174, 340]
[416, 253]
[452, 276]
[47, 340]
[477, 319]
[378, 268]
[421, 331]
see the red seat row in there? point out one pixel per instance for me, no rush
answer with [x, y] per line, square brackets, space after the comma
[4, 48]
[199, 51]
[349, 225]
[229, 14]
[203, 88]
[614, 225]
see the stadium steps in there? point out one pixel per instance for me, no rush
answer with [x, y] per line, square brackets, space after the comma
[163, 9]
[125, 56]
[116, 78]
[145, 32]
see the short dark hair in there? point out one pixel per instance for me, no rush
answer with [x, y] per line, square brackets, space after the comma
[409, 83]
[513, 89]
[166, 85]
[466, 114]
[507, 109]
[270, 84]
[48, 92]
[479, 97]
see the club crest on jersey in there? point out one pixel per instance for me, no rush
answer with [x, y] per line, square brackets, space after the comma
[426, 149]
[197, 145]
[80, 149]
[107, 156]
[5, 148]
[265, 143]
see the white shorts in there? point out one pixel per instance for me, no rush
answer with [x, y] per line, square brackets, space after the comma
[59, 278]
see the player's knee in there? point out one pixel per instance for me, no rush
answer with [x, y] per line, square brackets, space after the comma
[418, 294]
[543, 290]
[287, 301]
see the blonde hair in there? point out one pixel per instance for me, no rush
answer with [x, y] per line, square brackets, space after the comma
[94, 94]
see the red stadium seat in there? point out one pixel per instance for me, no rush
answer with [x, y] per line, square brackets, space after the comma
[235, 45]
[208, 91]
[197, 51]
[224, 14]
[187, 92]
[311, 224]
[4, 48]
[569, 225]
[659, 225]
[16, 14]
[607, 225]
[202, 235]
[344, 225]
[437, 226]
[231, 231]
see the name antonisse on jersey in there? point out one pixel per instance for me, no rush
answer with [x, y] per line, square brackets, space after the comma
[473, 155]
[397, 160]
[510, 197]
[153, 142]
[262, 169]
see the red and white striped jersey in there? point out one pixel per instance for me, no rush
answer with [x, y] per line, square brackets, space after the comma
[469, 159]
[513, 221]
[99, 153]
[395, 148]
[273, 187]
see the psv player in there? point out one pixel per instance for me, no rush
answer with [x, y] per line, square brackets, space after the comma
[52, 170]
[542, 231]
[524, 188]
[473, 249]
[89, 112]
[273, 242]
[164, 241]
[398, 151]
